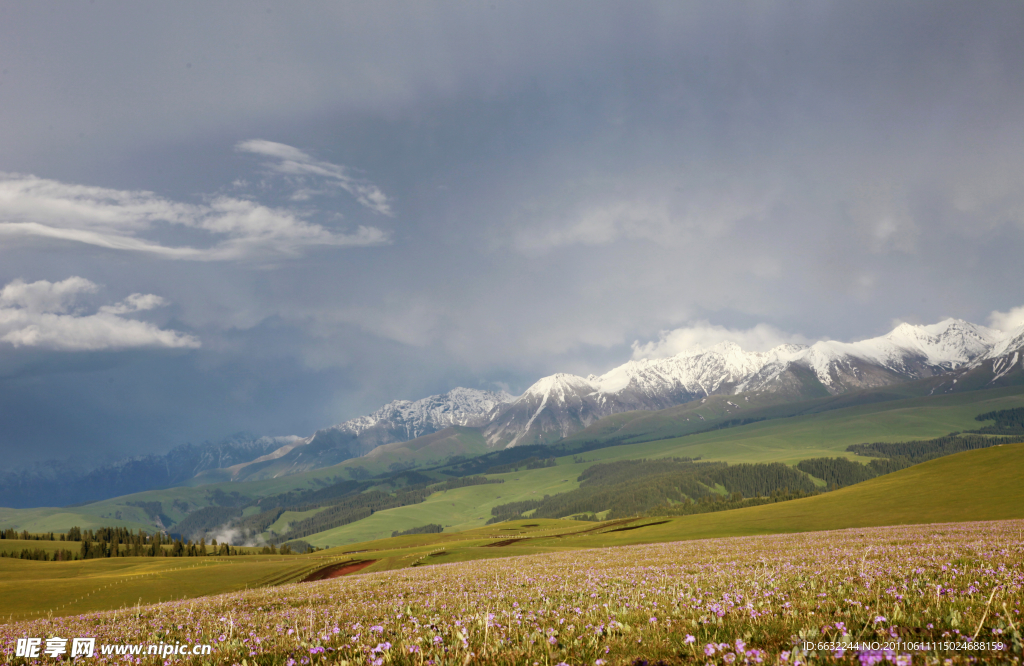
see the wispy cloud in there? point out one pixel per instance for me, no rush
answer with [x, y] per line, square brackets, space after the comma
[289, 161]
[1007, 321]
[703, 334]
[47, 315]
[225, 228]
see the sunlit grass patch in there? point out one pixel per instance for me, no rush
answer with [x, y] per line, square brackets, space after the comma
[735, 600]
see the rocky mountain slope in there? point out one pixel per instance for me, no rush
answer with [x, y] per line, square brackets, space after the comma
[398, 421]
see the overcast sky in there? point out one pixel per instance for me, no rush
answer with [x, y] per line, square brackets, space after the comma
[220, 216]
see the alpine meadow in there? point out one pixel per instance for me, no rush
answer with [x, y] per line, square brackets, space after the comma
[525, 334]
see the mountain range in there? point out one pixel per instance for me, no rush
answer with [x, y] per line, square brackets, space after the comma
[959, 356]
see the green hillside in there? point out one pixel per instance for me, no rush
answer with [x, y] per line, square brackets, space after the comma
[974, 485]
[33, 589]
[971, 486]
[789, 440]
[784, 439]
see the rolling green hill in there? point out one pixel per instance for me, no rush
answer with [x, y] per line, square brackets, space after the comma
[824, 428]
[971, 486]
[789, 440]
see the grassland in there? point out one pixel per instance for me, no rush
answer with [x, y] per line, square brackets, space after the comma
[789, 440]
[33, 589]
[767, 599]
[976, 485]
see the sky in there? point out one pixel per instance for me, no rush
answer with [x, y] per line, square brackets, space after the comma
[271, 217]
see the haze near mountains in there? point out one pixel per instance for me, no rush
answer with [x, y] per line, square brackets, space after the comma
[562, 404]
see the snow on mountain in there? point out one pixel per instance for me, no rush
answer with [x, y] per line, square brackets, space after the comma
[561, 404]
[397, 421]
[909, 352]
[460, 406]
[1008, 344]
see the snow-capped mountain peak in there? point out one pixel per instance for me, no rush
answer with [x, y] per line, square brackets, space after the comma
[563, 403]
[558, 386]
[460, 406]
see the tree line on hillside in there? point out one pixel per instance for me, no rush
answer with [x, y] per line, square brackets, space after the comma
[1007, 422]
[635, 487]
[122, 542]
[919, 451]
[350, 510]
[432, 528]
[894, 456]
[841, 472]
[24, 535]
[533, 462]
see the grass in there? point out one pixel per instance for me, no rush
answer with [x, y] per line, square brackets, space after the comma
[975, 485]
[789, 440]
[722, 601]
[17, 545]
[971, 486]
[33, 589]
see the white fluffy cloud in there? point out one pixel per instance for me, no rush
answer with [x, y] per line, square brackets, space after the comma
[46, 315]
[225, 228]
[292, 162]
[761, 337]
[1007, 321]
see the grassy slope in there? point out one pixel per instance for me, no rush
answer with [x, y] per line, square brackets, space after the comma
[30, 589]
[970, 486]
[976, 485]
[784, 440]
[826, 433]
[458, 509]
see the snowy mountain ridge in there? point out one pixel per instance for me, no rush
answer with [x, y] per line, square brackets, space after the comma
[458, 407]
[563, 403]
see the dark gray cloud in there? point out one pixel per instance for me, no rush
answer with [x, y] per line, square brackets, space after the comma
[347, 204]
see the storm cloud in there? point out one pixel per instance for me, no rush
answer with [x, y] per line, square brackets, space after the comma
[345, 204]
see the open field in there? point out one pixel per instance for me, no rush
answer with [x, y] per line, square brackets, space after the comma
[911, 590]
[33, 589]
[976, 485]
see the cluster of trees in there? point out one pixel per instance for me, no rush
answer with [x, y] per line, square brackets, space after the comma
[840, 472]
[205, 520]
[432, 528]
[462, 482]
[919, 451]
[637, 487]
[892, 457]
[352, 509]
[122, 542]
[513, 510]
[533, 462]
[502, 459]
[24, 535]
[1007, 422]
[712, 503]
